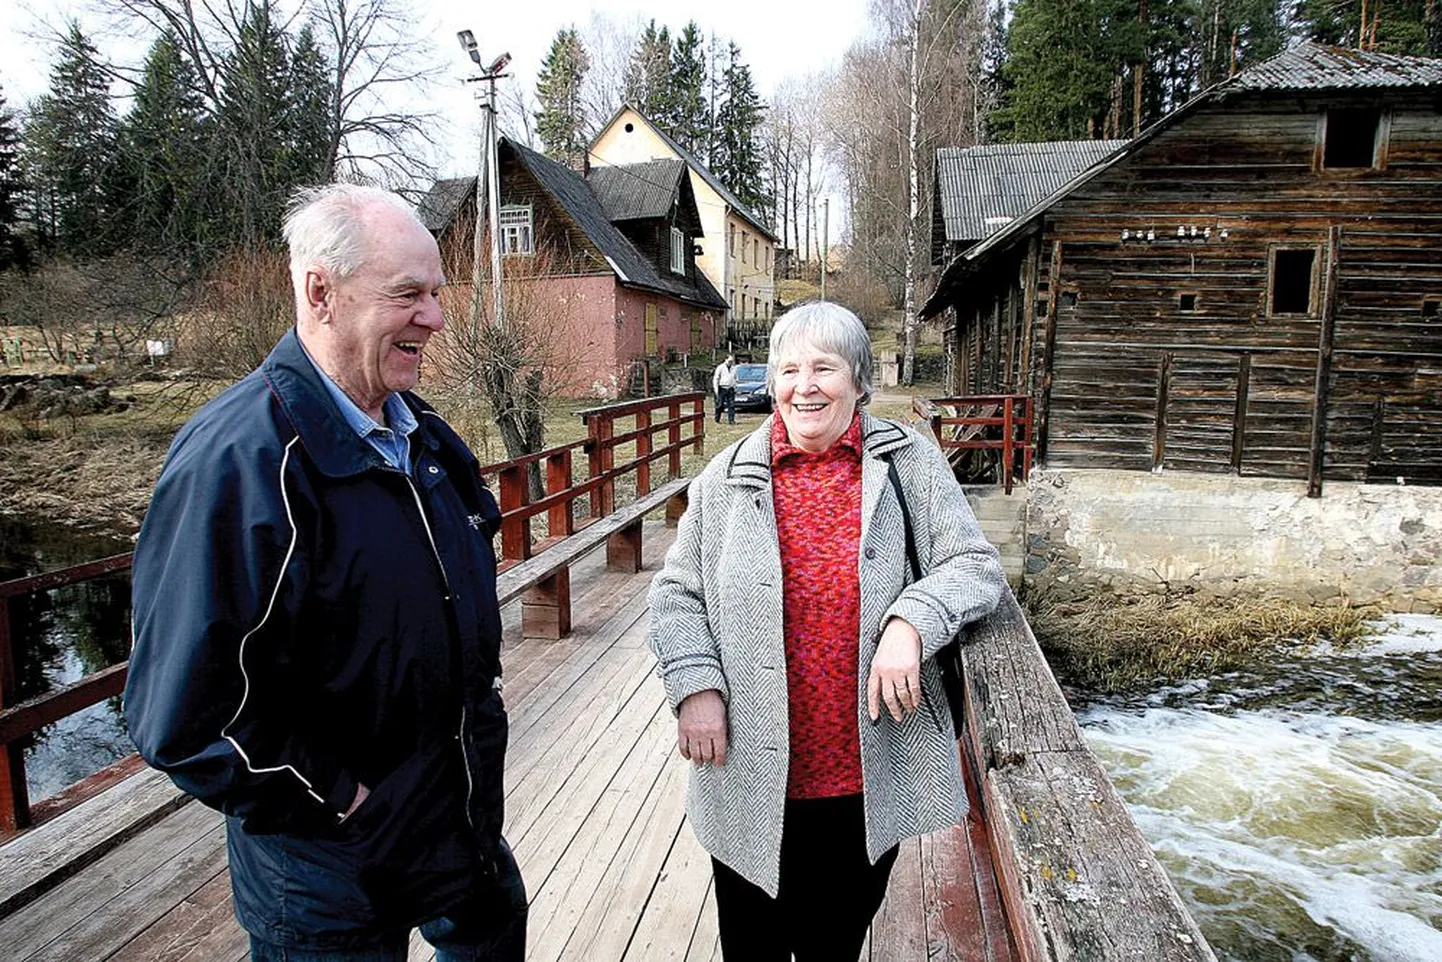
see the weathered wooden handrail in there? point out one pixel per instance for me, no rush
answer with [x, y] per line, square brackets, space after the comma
[599, 447]
[19, 721]
[1013, 417]
[1078, 880]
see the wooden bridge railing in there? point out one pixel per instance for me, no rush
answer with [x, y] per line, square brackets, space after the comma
[682, 422]
[1077, 879]
[983, 422]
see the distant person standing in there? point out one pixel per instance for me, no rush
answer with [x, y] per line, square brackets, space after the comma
[723, 386]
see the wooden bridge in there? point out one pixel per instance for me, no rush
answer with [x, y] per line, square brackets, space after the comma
[1049, 867]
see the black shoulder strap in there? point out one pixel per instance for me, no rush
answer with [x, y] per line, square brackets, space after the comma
[911, 556]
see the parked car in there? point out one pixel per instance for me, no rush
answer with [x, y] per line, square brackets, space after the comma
[751, 388]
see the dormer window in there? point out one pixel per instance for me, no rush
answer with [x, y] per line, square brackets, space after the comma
[678, 251]
[517, 229]
[1352, 139]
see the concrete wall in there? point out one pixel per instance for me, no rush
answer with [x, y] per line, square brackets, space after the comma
[1135, 531]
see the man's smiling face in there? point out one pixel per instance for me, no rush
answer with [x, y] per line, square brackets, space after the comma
[379, 318]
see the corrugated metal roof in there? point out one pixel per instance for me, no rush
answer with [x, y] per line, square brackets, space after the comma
[1312, 66]
[983, 189]
[637, 191]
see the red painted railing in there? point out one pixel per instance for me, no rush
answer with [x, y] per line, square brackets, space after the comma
[983, 422]
[682, 419]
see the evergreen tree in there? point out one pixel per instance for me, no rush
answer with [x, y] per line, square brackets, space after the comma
[689, 119]
[561, 121]
[1235, 34]
[164, 143]
[647, 84]
[736, 159]
[1072, 69]
[254, 123]
[12, 247]
[313, 138]
[1397, 26]
[71, 145]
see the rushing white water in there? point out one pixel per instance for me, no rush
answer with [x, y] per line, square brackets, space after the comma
[1298, 808]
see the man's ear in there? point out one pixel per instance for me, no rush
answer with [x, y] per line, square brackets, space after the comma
[318, 292]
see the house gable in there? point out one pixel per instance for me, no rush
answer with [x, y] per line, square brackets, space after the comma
[1218, 297]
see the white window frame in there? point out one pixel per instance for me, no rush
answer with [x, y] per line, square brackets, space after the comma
[678, 251]
[518, 229]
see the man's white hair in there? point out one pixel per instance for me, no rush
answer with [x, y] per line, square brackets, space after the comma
[323, 227]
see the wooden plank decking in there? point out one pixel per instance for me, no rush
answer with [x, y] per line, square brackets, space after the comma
[595, 812]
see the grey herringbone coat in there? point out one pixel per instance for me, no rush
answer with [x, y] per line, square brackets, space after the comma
[716, 623]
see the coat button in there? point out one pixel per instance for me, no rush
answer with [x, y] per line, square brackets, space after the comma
[433, 469]
[870, 553]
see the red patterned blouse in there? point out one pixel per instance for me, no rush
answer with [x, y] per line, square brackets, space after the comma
[818, 524]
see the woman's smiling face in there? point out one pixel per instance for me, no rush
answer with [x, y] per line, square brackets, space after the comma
[815, 395]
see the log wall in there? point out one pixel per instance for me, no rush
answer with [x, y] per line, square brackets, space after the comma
[1165, 351]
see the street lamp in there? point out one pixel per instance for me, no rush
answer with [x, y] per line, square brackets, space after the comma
[488, 190]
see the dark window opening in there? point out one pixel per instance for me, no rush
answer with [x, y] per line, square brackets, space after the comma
[1351, 138]
[1431, 306]
[1068, 298]
[1041, 307]
[1187, 302]
[1292, 281]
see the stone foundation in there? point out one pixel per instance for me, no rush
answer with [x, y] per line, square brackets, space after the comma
[1220, 536]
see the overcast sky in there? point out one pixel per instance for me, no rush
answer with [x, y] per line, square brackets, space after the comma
[778, 38]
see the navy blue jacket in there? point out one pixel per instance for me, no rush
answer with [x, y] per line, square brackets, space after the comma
[306, 617]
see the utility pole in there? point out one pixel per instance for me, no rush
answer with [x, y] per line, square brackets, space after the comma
[488, 189]
[825, 239]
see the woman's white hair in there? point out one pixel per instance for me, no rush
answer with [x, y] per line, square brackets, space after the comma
[323, 226]
[830, 327]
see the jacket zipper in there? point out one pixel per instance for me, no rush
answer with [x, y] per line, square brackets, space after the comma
[445, 579]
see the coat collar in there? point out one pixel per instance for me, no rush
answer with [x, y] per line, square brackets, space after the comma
[331, 443]
[750, 464]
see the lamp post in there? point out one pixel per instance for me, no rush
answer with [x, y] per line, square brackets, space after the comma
[488, 190]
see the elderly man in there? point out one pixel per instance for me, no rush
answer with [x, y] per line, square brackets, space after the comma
[317, 638]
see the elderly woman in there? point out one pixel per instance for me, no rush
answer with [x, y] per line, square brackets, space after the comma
[798, 654]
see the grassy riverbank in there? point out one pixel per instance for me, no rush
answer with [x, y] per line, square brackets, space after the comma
[1115, 644]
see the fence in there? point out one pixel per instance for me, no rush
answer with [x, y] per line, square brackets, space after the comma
[983, 422]
[683, 424]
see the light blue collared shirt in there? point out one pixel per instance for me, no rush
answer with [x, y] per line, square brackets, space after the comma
[392, 443]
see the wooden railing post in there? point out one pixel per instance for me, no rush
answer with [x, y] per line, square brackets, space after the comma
[643, 453]
[1008, 432]
[698, 427]
[14, 796]
[515, 531]
[561, 518]
[673, 437]
[605, 458]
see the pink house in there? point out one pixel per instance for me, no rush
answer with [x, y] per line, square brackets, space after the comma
[600, 268]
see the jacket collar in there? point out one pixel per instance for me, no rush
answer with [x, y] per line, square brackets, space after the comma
[750, 464]
[331, 443]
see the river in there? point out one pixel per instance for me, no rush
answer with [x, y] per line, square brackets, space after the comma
[1297, 807]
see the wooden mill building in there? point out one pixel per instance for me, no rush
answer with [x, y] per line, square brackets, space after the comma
[1252, 285]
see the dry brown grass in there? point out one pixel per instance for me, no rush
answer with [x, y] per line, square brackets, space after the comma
[82, 480]
[1114, 644]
